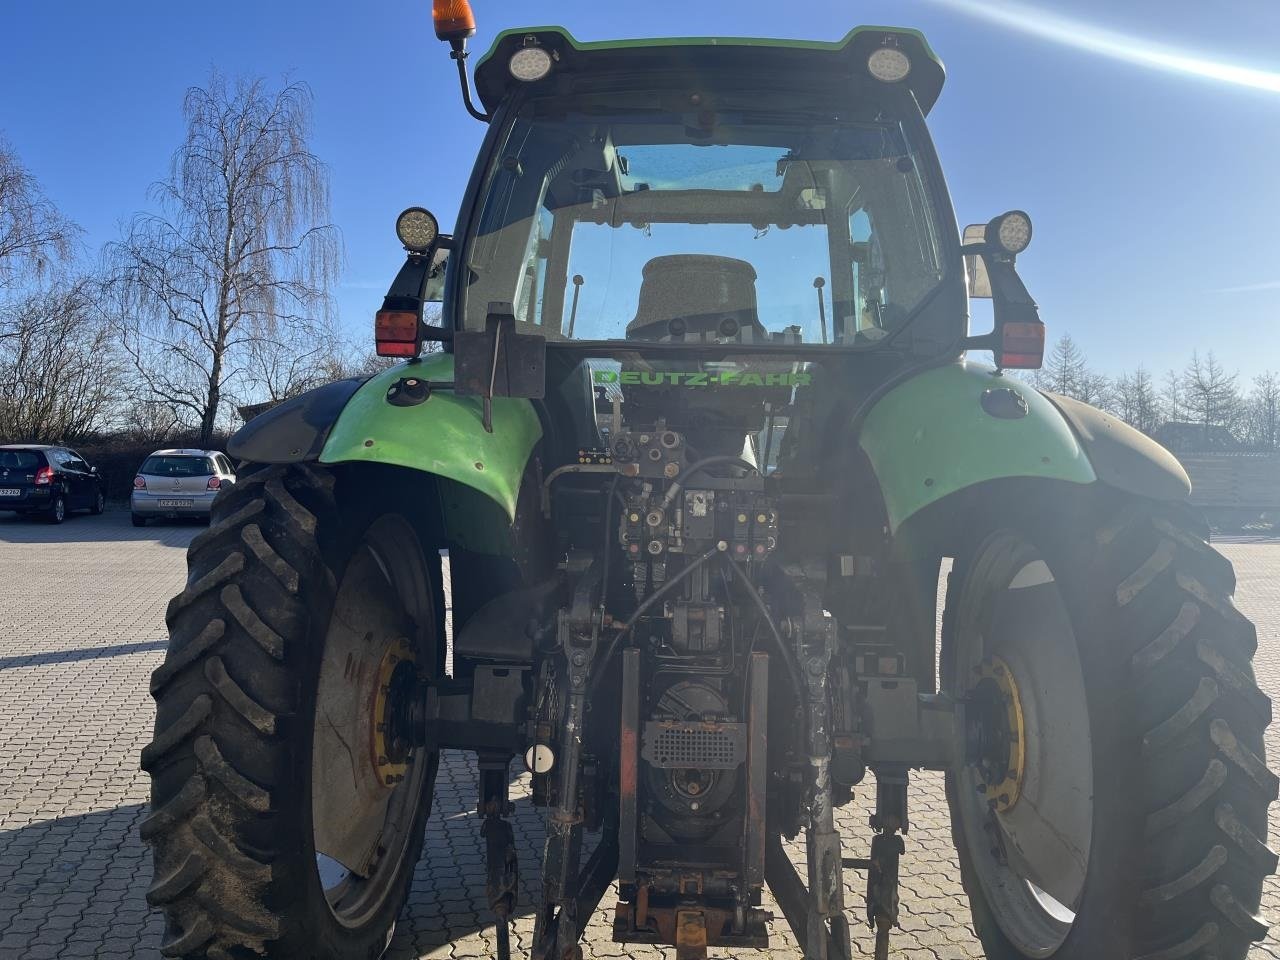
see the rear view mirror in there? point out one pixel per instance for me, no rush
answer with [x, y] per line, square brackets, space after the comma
[433, 289]
[975, 268]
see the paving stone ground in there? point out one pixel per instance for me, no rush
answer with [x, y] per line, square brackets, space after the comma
[81, 628]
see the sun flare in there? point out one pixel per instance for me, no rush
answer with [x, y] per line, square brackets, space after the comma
[1108, 43]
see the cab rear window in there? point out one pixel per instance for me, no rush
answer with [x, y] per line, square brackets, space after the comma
[21, 459]
[177, 467]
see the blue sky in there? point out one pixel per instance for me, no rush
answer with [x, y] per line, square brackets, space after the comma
[1153, 190]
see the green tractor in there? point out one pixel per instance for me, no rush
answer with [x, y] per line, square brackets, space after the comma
[697, 435]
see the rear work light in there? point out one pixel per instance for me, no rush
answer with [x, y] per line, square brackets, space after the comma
[214, 483]
[44, 476]
[1022, 346]
[397, 333]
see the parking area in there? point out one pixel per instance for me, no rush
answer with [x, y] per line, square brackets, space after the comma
[81, 628]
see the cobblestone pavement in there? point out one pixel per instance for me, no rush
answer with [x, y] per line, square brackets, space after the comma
[81, 628]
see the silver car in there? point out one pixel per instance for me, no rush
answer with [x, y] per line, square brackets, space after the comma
[179, 483]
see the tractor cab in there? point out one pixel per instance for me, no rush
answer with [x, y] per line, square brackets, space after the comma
[699, 232]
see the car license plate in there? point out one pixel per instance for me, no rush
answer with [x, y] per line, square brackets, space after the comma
[10, 492]
[175, 503]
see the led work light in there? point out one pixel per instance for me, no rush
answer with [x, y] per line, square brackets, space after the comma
[417, 229]
[529, 64]
[1011, 232]
[889, 65]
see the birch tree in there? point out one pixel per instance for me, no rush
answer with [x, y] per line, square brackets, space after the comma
[239, 251]
[33, 233]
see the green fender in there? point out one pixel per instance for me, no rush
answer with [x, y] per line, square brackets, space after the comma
[931, 436]
[443, 435]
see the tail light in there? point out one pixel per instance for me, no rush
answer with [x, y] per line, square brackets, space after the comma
[44, 476]
[396, 333]
[1022, 346]
[139, 483]
[214, 483]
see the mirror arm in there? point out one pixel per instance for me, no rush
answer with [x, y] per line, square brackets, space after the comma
[408, 291]
[1010, 299]
[986, 341]
[1007, 288]
[411, 282]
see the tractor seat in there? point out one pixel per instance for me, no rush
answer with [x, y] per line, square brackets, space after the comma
[692, 294]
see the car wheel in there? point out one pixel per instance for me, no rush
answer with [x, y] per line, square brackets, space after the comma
[99, 503]
[138, 521]
[58, 510]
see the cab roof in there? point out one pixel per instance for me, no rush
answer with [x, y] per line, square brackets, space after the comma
[764, 57]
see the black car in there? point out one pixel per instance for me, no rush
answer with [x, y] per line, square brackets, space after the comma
[52, 481]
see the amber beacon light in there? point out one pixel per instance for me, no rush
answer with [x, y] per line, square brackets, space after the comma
[453, 20]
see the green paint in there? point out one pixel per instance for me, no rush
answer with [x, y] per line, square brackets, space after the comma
[605, 45]
[442, 436]
[930, 437]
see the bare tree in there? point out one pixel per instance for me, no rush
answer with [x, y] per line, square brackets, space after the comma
[1171, 396]
[239, 251]
[1135, 400]
[33, 233]
[1211, 397]
[60, 374]
[290, 358]
[1263, 428]
[1066, 371]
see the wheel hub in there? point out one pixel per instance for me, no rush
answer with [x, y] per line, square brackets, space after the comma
[996, 734]
[393, 712]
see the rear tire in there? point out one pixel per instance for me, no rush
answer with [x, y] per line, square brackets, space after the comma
[99, 504]
[57, 510]
[1177, 854]
[231, 830]
[138, 521]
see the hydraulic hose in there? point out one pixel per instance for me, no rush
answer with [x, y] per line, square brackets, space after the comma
[641, 610]
[787, 654]
[698, 466]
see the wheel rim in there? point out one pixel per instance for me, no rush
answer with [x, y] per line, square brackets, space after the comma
[1025, 793]
[100, 503]
[367, 786]
[59, 509]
